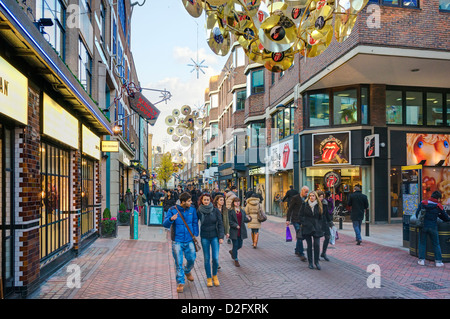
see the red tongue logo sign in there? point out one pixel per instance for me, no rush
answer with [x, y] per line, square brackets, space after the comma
[329, 151]
[286, 152]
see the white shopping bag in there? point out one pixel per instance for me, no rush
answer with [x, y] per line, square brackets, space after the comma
[333, 235]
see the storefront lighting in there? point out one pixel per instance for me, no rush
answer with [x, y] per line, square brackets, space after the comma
[117, 129]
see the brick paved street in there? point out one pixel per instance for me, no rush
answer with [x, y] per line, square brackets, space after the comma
[143, 269]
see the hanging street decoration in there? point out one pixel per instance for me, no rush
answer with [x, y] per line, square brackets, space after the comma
[272, 32]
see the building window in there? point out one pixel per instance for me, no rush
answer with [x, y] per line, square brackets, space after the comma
[54, 231]
[114, 38]
[398, 3]
[394, 109]
[240, 99]
[319, 109]
[257, 81]
[256, 134]
[56, 34]
[87, 197]
[122, 15]
[444, 5]
[435, 107]
[364, 105]
[214, 130]
[283, 122]
[84, 66]
[414, 108]
[102, 22]
[345, 107]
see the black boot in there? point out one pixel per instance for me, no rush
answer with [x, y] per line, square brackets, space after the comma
[324, 256]
[317, 265]
[311, 265]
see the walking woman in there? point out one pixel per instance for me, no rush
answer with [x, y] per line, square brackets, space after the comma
[311, 215]
[211, 234]
[169, 201]
[327, 222]
[219, 203]
[238, 231]
[252, 209]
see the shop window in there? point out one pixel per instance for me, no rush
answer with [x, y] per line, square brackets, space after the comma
[345, 107]
[435, 107]
[256, 134]
[87, 197]
[364, 105]
[397, 3]
[396, 193]
[394, 107]
[55, 214]
[444, 5]
[414, 108]
[319, 109]
[257, 81]
[283, 123]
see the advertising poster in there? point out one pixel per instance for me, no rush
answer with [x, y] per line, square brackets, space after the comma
[331, 148]
[428, 149]
[282, 156]
[372, 146]
[436, 179]
[156, 215]
[411, 179]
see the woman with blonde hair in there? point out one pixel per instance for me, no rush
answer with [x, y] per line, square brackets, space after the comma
[311, 215]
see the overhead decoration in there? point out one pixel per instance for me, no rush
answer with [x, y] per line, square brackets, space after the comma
[273, 32]
[185, 125]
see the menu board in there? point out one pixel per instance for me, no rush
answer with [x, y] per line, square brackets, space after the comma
[156, 216]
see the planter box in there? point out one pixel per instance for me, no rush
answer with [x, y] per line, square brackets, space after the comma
[113, 234]
[123, 218]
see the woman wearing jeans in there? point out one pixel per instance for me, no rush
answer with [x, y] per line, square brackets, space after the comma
[211, 234]
[238, 232]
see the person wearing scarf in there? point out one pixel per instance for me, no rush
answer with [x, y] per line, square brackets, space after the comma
[211, 234]
[311, 214]
[238, 232]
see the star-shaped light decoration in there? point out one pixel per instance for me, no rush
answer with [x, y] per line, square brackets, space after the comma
[198, 66]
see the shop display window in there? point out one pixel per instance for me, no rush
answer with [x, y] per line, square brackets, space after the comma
[394, 107]
[345, 107]
[435, 107]
[87, 197]
[319, 109]
[414, 108]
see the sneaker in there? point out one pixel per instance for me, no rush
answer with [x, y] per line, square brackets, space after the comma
[302, 258]
[180, 288]
[237, 264]
[190, 277]
[439, 264]
[421, 262]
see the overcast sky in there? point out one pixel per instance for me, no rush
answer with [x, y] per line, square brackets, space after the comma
[163, 41]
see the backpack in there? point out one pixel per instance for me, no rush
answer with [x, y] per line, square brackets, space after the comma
[421, 217]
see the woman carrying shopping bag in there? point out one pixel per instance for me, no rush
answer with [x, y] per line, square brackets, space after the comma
[211, 234]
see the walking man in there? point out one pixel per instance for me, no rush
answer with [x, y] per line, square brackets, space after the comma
[289, 194]
[434, 209]
[182, 241]
[358, 203]
[293, 217]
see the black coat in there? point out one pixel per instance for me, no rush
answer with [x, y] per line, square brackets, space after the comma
[293, 213]
[312, 223]
[358, 202]
[327, 218]
[211, 225]
[169, 202]
[232, 217]
[289, 195]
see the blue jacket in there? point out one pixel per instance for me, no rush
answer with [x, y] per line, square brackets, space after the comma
[434, 210]
[181, 233]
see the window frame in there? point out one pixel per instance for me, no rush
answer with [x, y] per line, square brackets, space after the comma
[252, 87]
[444, 10]
[281, 134]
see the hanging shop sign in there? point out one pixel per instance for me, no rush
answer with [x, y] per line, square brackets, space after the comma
[91, 143]
[60, 124]
[282, 156]
[372, 146]
[13, 92]
[428, 149]
[140, 104]
[110, 146]
[331, 148]
[332, 179]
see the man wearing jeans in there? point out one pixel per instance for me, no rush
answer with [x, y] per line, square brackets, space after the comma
[434, 209]
[292, 217]
[359, 203]
[182, 241]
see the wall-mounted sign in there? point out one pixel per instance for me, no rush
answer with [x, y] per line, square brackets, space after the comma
[282, 156]
[372, 146]
[60, 124]
[331, 148]
[140, 104]
[13, 92]
[332, 179]
[91, 143]
[110, 146]
[428, 149]
[257, 171]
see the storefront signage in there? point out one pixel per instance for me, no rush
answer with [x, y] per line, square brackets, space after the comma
[331, 148]
[372, 146]
[257, 171]
[332, 179]
[60, 124]
[13, 92]
[428, 149]
[411, 188]
[140, 104]
[91, 143]
[110, 146]
[282, 156]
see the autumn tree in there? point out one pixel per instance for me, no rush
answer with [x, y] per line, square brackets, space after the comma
[165, 170]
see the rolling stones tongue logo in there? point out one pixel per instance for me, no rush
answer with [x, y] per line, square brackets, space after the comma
[330, 148]
[286, 152]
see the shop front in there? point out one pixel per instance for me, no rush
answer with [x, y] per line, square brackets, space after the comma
[334, 162]
[257, 178]
[280, 171]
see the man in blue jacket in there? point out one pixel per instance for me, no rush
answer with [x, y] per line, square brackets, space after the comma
[434, 209]
[182, 241]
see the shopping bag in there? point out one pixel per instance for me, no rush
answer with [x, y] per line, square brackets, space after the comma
[337, 235]
[288, 234]
[333, 235]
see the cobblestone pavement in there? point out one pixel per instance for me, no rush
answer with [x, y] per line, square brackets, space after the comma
[143, 269]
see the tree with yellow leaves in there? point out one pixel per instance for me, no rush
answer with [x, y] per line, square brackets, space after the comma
[165, 170]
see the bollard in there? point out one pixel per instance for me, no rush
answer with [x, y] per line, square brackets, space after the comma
[134, 225]
[367, 222]
[340, 223]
